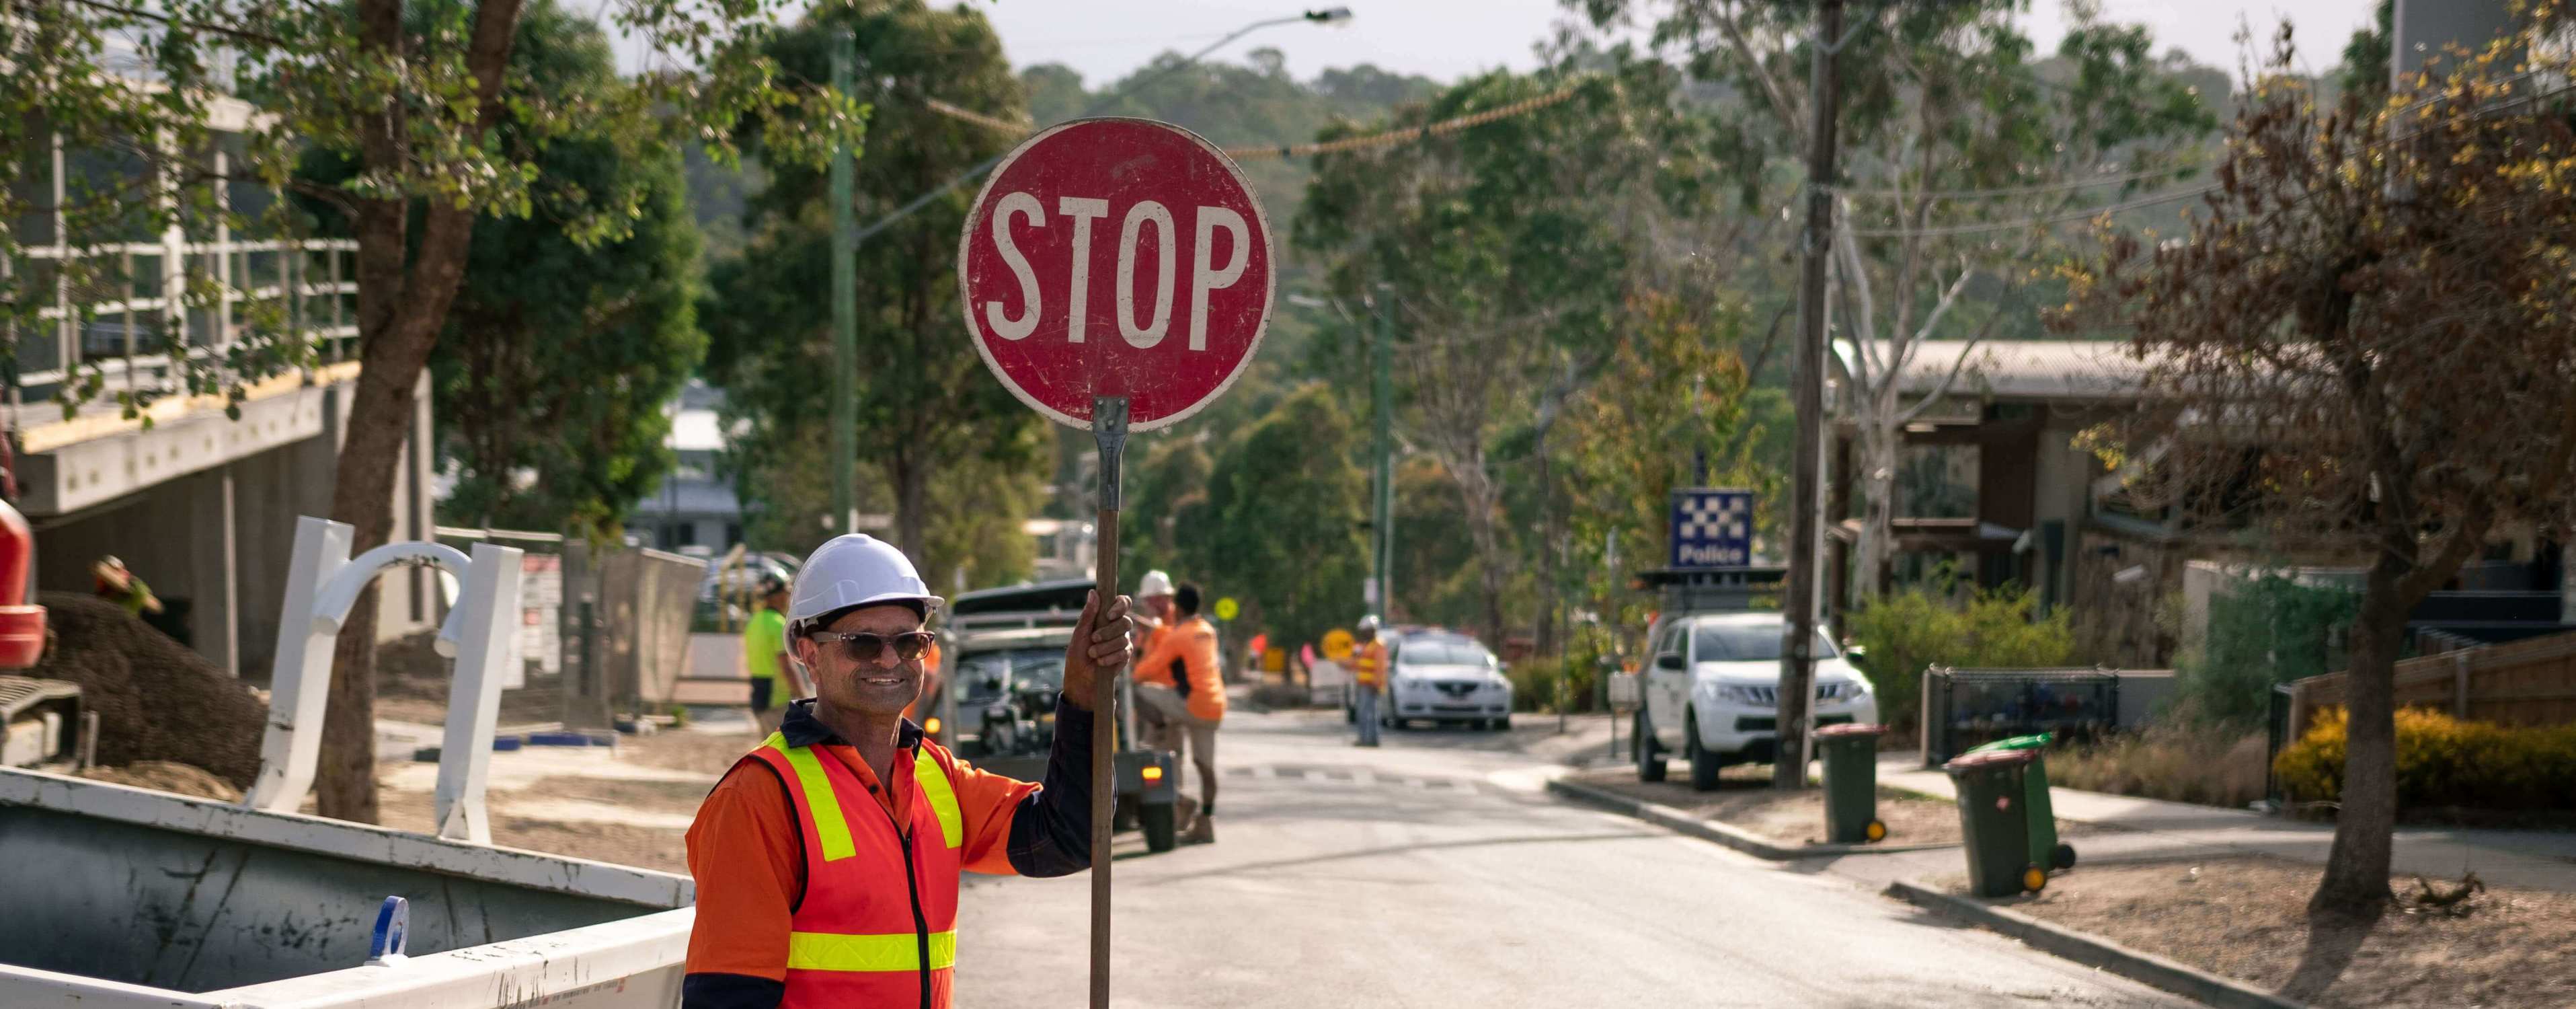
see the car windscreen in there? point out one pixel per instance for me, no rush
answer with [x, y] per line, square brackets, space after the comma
[1747, 643]
[1442, 653]
[1028, 668]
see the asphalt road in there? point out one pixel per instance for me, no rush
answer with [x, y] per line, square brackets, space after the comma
[1436, 872]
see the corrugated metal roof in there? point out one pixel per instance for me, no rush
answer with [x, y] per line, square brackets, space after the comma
[2022, 369]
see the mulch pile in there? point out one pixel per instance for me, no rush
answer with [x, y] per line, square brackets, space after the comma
[168, 776]
[156, 700]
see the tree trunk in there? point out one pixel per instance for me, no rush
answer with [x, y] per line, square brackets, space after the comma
[1477, 494]
[911, 509]
[2355, 885]
[1878, 530]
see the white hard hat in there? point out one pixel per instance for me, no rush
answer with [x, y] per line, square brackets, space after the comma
[856, 570]
[1368, 625]
[1155, 583]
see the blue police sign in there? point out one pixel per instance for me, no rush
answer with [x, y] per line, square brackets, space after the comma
[1712, 528]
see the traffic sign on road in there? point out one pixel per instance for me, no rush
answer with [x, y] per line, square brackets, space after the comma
[1712, 528]
[1338, 645]
[1116, 257]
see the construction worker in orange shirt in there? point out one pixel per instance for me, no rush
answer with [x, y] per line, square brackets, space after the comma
[1180, 695]
[1368, 676]
[827, 859]
[1153, 609]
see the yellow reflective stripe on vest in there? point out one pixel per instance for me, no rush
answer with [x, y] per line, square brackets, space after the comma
[831, 829]
[934, 785]
[900, 951]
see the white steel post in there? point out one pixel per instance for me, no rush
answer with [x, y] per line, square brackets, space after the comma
[300, 680]
[490, 605]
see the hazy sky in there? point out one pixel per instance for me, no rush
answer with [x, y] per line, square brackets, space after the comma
[1445, 39]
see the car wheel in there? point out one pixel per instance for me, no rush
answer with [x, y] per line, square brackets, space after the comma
[1161, 832]
[1503, 724]
[1650, 759]
[1704, 765]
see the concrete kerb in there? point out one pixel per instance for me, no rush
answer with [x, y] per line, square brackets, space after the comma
[2093, 951]
[1719, 833]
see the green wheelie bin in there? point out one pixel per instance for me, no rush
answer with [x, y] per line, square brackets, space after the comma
[2043, 817]
[1995, 821]
[1851, 783]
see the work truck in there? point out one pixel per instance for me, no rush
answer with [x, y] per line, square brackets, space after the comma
[1002, 658]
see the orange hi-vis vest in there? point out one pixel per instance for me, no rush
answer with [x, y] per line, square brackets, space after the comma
[1368, 663]
[877, 924]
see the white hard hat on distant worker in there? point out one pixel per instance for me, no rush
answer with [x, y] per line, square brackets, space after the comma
[854, 570]
[1155, 583]
[1368, 625]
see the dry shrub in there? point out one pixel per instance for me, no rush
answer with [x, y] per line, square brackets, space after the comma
[2177, 760]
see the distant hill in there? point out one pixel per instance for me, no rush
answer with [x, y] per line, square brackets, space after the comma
[1254, 102]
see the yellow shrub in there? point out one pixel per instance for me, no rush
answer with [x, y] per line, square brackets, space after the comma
[2442, 761]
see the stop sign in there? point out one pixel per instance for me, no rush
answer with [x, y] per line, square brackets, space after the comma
[1116, 257]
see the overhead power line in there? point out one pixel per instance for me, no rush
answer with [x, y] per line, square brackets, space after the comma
[2037, 187]
[1251, 151]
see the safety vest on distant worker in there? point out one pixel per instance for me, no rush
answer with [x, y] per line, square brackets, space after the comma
[878, 922]
[1368, 663]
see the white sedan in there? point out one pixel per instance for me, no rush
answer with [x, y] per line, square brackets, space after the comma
[1446, 678]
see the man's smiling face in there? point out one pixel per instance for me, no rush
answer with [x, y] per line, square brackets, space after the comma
[882, 686]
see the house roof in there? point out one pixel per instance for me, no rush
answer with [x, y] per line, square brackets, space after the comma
[2022, 369]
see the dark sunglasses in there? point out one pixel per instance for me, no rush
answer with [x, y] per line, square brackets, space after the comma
[863, 646]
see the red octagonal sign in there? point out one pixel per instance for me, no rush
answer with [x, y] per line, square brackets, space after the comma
[1116, 257]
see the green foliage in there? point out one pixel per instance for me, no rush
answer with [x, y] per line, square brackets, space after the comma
[2267, 631]
[2366, 68]
[2443, 762]
[399, 88]
[1282, 521]
[1506, 257]
[931, 421]
[1902, 634]
[559, 354]
[1671, 390]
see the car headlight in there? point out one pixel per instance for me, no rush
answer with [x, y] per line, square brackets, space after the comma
[1741, 693]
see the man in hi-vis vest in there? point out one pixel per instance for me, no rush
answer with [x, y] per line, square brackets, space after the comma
[827, 859]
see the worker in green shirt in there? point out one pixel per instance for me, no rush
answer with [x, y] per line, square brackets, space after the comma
[764, 649]
[120, 586]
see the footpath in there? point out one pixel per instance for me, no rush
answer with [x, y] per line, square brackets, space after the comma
[2202, 901]
[2149, 830]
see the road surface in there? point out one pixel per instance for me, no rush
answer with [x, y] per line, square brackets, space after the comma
[1436, 872]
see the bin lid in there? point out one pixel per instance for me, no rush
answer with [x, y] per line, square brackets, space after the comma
[1850, 729]
[2031, 742]
[1980, 759]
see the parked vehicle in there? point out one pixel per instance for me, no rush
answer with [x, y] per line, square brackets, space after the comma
[1712, 693]
[1002, 664]
[1439, 677]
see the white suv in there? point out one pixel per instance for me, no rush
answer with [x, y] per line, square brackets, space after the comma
[1712, 693]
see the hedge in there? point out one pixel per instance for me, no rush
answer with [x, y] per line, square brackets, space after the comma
[2444, 762]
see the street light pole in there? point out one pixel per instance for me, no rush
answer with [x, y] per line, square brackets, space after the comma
[845, 315]
[1382, 402]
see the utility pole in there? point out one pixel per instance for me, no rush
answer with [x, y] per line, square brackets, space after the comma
[1383, 400]
[845, 316]
[1798, 657]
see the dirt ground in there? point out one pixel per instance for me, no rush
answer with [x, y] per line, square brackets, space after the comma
[1744, 798]
[2246, 918]
[641, 823]
[412, 681]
